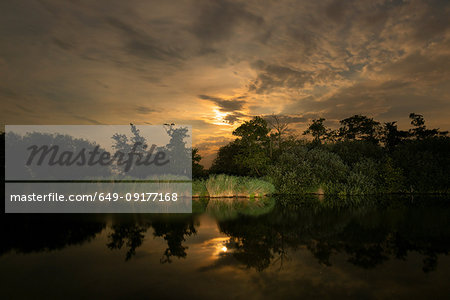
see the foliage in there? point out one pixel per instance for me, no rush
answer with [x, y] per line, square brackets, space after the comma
[198, 171]
[303, 170]
[248, 155]
[362, 157]
[318, 130]
[359, 127]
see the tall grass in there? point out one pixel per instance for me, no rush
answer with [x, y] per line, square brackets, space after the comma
[231, 186]
[252, 187]
[222, 186]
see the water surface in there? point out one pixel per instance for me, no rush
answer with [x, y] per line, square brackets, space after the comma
[388, 248]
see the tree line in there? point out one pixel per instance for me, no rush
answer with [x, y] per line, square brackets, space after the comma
[362, 156]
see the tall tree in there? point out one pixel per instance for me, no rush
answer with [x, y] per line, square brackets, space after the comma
[279, 126]
[248, 155]
[197, 169]
[420, 131]
[392, 136]
[359, 127]
[317, 130]
[254, 141]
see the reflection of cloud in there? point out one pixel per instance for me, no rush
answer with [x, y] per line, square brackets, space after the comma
[220, 254]
[223, 260]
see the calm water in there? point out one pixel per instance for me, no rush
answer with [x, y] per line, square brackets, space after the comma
[391, 248]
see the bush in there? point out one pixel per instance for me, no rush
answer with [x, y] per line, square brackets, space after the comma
[305, 171]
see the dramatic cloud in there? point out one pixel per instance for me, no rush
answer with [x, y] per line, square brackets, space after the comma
[218, 20]
[215, 64]
[271, 77]
[225, 105]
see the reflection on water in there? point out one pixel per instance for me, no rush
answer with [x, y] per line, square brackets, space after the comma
[281, 248]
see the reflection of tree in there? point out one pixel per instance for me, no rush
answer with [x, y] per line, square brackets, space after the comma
[368, 236]
[25, 233]
[175, 234]
[129, 234]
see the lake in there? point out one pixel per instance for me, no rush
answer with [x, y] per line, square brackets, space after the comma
[385, 247]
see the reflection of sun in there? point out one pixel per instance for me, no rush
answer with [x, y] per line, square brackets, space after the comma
[219, 117]
[217, 245]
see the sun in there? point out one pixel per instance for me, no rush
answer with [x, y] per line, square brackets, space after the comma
[219, 117]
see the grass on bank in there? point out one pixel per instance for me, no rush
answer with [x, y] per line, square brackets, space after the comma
[231, 186]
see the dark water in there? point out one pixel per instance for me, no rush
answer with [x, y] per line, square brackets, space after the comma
[389, 248]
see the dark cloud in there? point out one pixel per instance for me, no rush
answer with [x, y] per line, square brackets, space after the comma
[336, 10]
[143, 45]
[63, 44]
[86, 119]
[145, 110]
[271, 77]
[234, 117]
[225, 105]
[218, 19]
[213, 143]
[25, 109]
[286, 118]
[300, 58]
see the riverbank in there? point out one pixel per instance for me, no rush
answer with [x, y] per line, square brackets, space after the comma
[225, 186]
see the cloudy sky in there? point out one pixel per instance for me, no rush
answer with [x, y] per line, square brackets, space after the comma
[214, 64]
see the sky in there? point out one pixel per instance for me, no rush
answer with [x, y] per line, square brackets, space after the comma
[215, 64]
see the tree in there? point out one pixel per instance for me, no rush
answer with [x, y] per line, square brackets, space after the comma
[279, 126]
[359, 127]
[317, 130]
[420, 131]
[225, 161]
[197, 169]
[392, 136]
[255, 130]
[248, 155]
[254, 142]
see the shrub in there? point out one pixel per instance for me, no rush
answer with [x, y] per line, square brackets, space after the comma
[304, 171]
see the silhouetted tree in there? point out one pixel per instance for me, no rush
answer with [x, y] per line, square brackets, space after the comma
[317, 130]
[420, 131]
[280, 127]
[359, 127]
[392, 136]
[198, 171]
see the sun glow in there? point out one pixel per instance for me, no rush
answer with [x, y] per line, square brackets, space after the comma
[219, 117]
